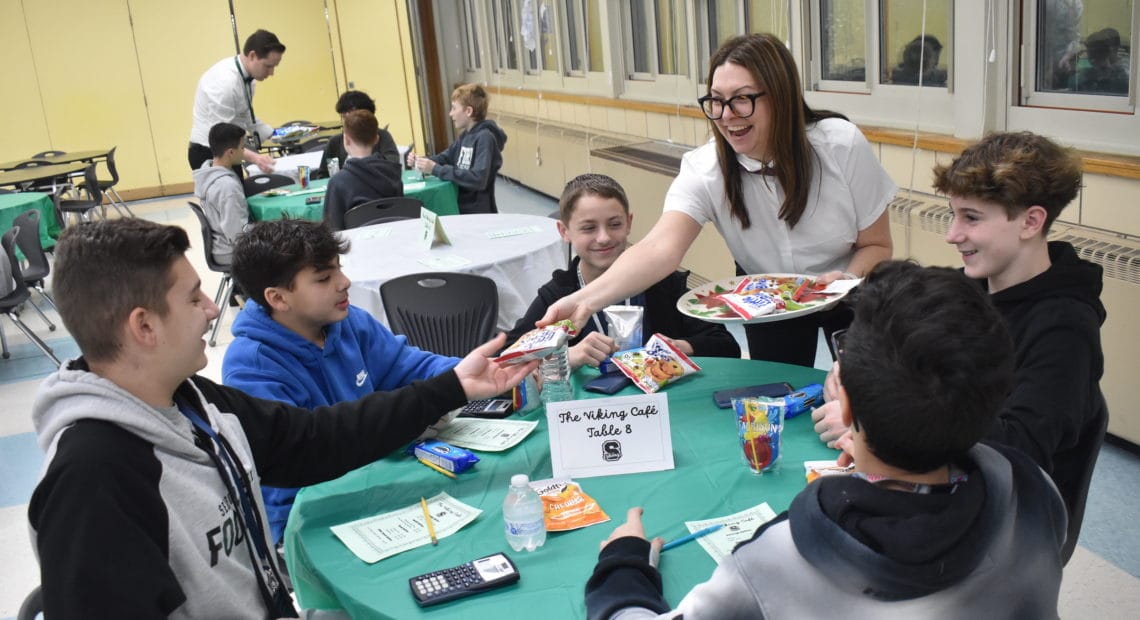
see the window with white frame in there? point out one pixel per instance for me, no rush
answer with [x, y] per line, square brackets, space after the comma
[503, 34]
[1079, 55]
[840, 44]
[536, 29]
[472, 55]
[913, 50]
[657, 38]
[582, 36]
[718, 20]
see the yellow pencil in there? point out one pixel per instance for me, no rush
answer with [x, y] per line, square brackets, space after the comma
[437, 468]
[427, 520]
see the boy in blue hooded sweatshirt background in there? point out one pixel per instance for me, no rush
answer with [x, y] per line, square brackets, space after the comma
[299, 341]
[474, 159]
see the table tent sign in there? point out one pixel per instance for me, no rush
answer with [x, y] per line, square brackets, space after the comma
[608, 436]
[431, 232]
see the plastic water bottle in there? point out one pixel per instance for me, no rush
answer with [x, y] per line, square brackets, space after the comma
[334, 166]
[522, 515]
[555, 371]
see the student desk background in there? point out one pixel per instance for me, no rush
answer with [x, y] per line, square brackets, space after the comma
[710, 480]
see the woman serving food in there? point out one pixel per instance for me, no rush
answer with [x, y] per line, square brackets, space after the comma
[791, 190]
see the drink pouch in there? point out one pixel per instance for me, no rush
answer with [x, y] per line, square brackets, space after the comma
[655, 365]
[452, 458]
[566, 507]
[759, 425]
[625, 325]
[537, 343]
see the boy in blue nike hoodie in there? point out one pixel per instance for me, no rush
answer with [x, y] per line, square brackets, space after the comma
[298, 341]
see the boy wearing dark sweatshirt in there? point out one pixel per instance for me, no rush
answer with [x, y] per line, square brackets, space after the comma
[366, 176]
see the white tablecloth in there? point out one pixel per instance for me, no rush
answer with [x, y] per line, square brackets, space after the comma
[519, 264]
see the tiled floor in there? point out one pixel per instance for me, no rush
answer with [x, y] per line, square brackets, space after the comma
[1102, 580]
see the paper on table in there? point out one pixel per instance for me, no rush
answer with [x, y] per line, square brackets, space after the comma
[374, 233]
[415, 185]
[737, 528]
[487, 435]
[444, 263]
[842, 286]
[311, 190]
[374, 538]
[510, 232]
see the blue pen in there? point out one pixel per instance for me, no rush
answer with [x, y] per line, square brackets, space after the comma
[695, 535]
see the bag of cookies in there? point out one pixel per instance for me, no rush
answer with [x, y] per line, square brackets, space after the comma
[655, 365]
[538, 343]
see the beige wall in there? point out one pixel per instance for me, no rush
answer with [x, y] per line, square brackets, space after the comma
[88, 74]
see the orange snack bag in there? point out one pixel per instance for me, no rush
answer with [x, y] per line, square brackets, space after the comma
[566, 507]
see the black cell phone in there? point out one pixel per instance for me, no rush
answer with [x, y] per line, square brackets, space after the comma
[611, 383]
[312, 200]
[487, 408]
[723, 398]
[472, 577]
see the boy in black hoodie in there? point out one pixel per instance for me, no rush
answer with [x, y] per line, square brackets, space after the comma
[472, 161]
[366, 176]
[1005, 192]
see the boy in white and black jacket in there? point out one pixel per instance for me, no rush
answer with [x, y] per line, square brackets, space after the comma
[932, 524]
[150, 503]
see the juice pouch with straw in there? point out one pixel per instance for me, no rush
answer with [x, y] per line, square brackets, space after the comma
[760, 425]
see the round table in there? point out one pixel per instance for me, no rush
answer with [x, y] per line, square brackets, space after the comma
[14, 205]
[710, 480]
[519, 264]
[439, 196]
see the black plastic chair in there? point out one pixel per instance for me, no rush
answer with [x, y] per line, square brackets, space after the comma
[80, 207]
[446, 313]
[226, 286]
[32, 606]
[107, 186]
[43, 185]
[386, 209]
[10, 303]
[313, 145]
[260, 182]
[37, 268]
[48, 154]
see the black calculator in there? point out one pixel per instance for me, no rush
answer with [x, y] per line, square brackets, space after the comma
[488, 408]
[466, 579]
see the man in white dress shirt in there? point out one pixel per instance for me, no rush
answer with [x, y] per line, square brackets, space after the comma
[225, 95]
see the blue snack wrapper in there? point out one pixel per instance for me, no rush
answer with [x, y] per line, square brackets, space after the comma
[452, 458]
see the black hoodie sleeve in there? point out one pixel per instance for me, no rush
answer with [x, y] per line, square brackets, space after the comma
[387, 150]
[295, 447]
[477, 176]
[623, 578]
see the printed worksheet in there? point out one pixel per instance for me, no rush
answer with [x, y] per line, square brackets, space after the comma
[736, 529]
[444, 263]
[374, 538]
[485, 435]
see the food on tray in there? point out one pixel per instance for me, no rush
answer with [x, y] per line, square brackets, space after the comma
[750, 298]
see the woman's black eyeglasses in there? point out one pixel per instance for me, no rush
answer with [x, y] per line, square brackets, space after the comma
[742, 105]
[837, 338]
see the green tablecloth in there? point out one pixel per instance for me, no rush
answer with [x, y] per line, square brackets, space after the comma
[710, 479]
[13, 205]
[437, 195]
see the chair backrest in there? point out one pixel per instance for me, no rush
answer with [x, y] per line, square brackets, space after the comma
[313, 145]
[402, 207]
[111, 166]
[28, 241]
[32, 606]
[30, 163]
[296, 123]
[260, 182]
[91, 184]
[207, 239]
[48, 154]
[19, 292]
[446, 313]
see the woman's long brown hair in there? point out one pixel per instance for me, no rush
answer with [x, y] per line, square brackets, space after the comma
[775, 71]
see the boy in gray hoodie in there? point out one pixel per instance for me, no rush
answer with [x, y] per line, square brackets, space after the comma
[220, 190]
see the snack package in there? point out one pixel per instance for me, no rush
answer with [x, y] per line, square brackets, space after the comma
[752, 305]
[625, 325]
[814, 470]
[656, 364]
[760, 425]
[452, 458]
[804, 399]
[566, 506]
[793, 293]
[537, 343]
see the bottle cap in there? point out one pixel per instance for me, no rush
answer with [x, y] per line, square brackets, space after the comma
[519, 480]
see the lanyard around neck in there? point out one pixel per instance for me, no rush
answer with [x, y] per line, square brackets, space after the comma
[599, 324]
[246, 89]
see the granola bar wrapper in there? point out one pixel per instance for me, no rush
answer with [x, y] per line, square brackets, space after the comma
[752, 305]
[537, 343]
[566, 506]
[655, 365]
